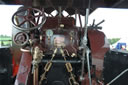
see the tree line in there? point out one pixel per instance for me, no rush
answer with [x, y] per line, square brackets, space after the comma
[5, 36]
[113, 40]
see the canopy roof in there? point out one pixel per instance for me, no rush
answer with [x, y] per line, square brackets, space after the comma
[70, 5]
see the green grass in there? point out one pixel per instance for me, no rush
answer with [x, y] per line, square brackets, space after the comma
[5, 41]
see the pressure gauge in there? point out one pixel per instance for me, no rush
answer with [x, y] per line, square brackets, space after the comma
[49, 33]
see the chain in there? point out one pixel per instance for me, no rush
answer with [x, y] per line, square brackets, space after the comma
[47, 67]
[72, 79]
[68, 65]
[69, 69]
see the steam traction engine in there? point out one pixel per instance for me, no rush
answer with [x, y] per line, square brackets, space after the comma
[54, 50]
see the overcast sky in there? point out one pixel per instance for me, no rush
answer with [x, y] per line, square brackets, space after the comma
[116, 21]
[115, 25]
[6, 13]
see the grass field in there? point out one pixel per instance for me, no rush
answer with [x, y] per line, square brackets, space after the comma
[5, 41]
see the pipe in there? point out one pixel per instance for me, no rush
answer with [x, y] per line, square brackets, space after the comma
[123, 72]
[80, 20]
[88, 64]
[82, 66]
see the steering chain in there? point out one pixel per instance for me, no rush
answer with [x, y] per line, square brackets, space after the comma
[72, 80]
[69, 69]
[47, 67]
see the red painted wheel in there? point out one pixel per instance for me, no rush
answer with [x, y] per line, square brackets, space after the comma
[27, 19]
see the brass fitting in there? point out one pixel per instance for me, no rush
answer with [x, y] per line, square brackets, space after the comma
[73, 55]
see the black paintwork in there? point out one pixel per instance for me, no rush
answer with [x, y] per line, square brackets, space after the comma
[58, 74]
[5, 66]
[70, 5]
[114, 63]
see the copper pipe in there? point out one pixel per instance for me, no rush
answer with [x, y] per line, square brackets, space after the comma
[35, 77]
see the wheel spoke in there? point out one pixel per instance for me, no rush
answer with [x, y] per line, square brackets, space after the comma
[32, 22]
[21, 16]
[29, 11]
[22, 23]
[28, 16]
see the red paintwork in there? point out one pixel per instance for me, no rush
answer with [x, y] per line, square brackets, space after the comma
[16, 53]
[24, 69]
[15, 67]
[99, 46]
[52, 22]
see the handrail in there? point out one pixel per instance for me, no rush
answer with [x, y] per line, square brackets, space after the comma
[118, 76]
